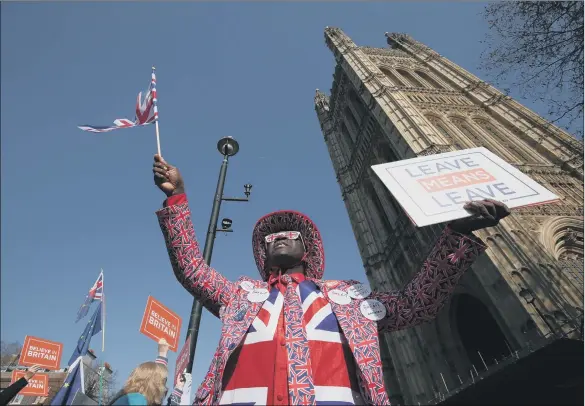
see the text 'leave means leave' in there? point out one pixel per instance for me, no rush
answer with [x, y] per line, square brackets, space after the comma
[472, 181]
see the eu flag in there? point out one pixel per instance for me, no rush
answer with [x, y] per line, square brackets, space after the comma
[94, 326]
[72, 385]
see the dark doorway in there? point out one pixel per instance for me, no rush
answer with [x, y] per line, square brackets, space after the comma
[479, 331]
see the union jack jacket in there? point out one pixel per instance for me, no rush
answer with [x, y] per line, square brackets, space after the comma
[419, 301]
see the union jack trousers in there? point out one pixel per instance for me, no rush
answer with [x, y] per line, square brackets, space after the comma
[419, 301]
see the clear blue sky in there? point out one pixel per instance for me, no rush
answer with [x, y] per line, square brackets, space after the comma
[75, 202]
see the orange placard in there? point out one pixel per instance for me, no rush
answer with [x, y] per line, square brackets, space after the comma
[160, 322]
[38, 351]
[38, 385]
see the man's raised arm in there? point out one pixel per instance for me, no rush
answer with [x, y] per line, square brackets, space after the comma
[205, 283]
[457, 248]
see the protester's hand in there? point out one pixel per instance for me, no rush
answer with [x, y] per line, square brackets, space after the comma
[163, 347]
[181, 383]
[41, 401]
[31, 372]
[184, 380]
[484, 213]
[167, 177]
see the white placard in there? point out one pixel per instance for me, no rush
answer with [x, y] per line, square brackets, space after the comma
[433, 189]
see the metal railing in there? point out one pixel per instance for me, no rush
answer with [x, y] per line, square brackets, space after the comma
[514, 356]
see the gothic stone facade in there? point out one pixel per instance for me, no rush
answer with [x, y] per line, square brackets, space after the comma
[406, 101]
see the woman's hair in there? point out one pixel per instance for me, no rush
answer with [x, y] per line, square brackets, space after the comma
[149, 379]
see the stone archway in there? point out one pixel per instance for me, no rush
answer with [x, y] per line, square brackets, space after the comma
[478, 331]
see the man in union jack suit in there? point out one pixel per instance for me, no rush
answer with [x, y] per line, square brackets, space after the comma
[293, 338]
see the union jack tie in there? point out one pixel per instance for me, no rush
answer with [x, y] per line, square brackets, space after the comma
[300, 382]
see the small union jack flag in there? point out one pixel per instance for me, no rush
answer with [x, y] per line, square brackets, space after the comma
[95, 294]
[146, 111]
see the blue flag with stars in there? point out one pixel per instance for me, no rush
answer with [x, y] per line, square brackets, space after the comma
[72, 385]
[94, 326]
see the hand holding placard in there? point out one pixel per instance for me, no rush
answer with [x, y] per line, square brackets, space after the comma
[32, 371]
[485, 213]
[182, 360]
[434, 189]
[163, 348]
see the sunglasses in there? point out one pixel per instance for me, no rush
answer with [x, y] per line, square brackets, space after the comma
[289, 235]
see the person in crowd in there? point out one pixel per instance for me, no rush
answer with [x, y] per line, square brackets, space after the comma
[180, 395]
[147, 383]
[292, 337]
[10, 392]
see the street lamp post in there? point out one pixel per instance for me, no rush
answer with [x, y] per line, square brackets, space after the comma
[527, 295]
[228, 147]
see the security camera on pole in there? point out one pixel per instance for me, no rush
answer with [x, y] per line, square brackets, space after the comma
[228, 147]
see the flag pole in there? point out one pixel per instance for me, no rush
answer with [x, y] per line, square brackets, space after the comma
[101, 383]
[154, 102]
[103, 313]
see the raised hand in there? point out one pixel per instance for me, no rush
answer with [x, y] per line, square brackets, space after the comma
[167, 177]
[484, 213]
[163, 347]
[31, 372]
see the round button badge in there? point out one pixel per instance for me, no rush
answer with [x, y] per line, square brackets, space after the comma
[247, 286]
[258, 295]
[359, 291]
[373, 310]
[339, 296]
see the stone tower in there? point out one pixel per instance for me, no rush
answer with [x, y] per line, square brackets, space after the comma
[405, 101]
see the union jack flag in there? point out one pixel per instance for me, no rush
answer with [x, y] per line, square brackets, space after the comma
[146, 111]
[95, 294]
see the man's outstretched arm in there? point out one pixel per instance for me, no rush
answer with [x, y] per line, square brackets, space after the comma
[204, 282]
[457, 248]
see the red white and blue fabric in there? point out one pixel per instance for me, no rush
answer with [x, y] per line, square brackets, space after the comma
[95, 294]
[257, 372]
[418, 302]
[146, 111]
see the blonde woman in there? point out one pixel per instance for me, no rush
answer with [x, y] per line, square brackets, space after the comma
[147, 383]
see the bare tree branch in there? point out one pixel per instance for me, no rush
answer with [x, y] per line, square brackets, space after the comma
[8, 352]
[92, 384]
[537, 47]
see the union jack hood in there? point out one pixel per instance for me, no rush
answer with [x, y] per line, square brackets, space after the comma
[289, 220]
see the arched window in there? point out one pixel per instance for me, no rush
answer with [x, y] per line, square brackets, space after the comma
[471, 134]
[357, 104]
[384, 154]
[507, 142]
[429, 79]
[377, 204]
[354, 127]
[440, 126]
[409, 78]
[466, 130]
[347, 138]
[393, 78]
[563, 239]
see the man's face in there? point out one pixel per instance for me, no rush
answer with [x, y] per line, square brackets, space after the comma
[284, 250]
